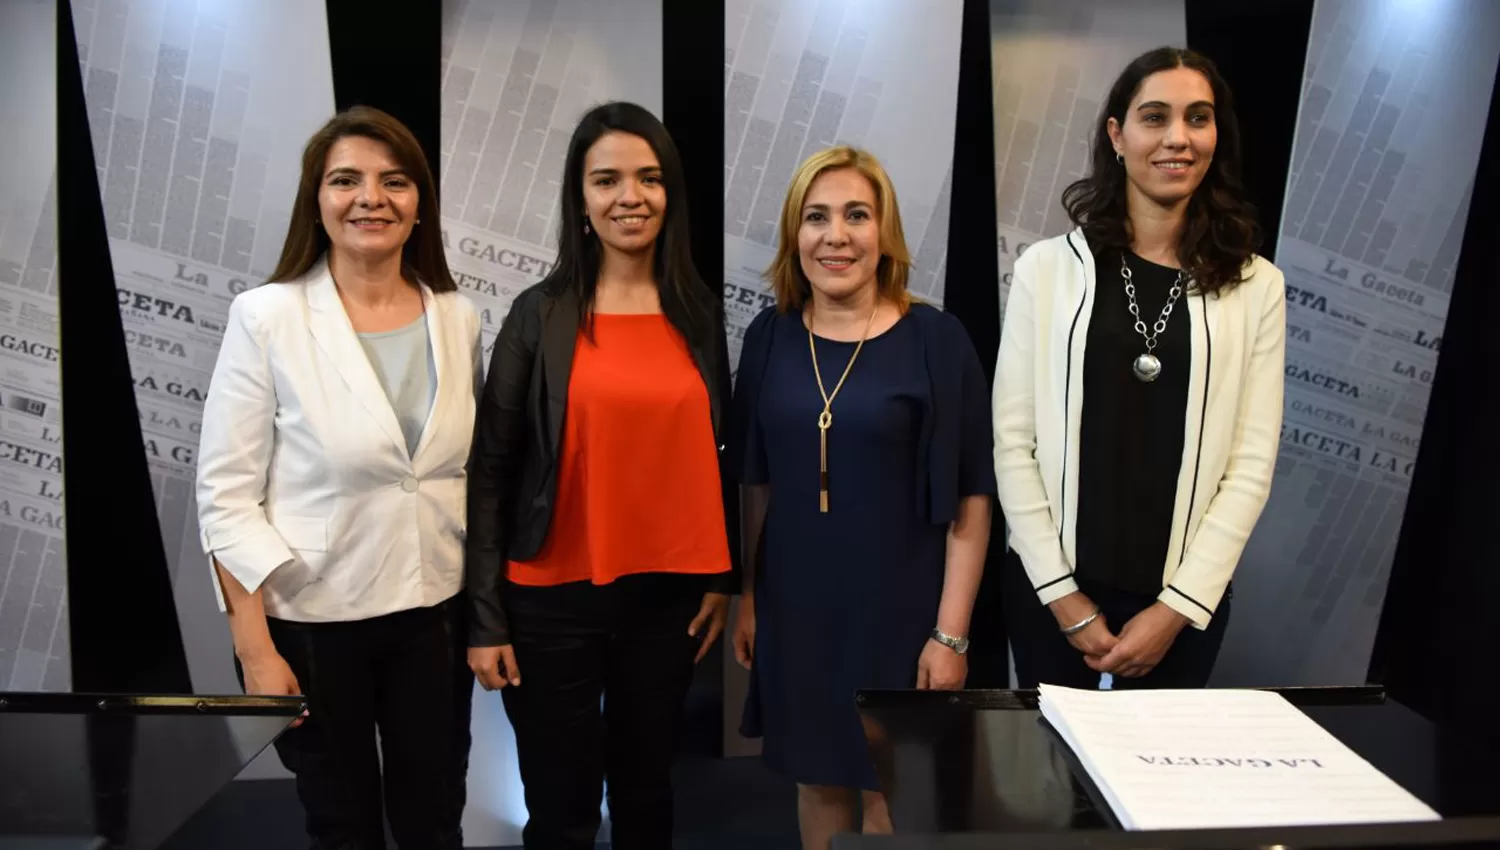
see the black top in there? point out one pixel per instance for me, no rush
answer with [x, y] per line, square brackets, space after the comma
[1132, 432]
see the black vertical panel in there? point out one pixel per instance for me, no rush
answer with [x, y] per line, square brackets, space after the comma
[1259, 47]
[693, 113]
[122, 619]
[1438, 623]
[972, 282]
[388, 55]
[972, 293]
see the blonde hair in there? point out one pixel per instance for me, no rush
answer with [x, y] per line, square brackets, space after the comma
[785, 275]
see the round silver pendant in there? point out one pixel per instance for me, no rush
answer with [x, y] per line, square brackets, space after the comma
[1146, 368]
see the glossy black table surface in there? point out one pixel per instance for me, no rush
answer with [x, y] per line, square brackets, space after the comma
[975, 769]
[94, 771]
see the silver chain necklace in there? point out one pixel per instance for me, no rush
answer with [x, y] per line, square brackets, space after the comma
[1147, 366]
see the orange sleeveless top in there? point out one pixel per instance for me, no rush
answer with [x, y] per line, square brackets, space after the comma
[638, 480]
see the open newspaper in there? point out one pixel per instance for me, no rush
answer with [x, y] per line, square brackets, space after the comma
[1198, 759]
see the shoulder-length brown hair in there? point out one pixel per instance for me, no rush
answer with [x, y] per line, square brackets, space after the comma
[1221, 231]
[785, 274]
[306, 242]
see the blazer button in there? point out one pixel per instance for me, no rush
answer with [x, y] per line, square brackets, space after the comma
[409, 484]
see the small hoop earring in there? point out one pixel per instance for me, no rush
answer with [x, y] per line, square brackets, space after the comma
[1120, 158]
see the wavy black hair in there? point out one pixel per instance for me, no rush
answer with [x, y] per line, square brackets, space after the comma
[1221, 232]
[685, 299]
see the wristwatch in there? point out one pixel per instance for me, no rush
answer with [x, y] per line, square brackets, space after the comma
[959, 645]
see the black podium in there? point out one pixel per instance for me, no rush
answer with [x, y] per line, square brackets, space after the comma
[982, 769]
[94, 771]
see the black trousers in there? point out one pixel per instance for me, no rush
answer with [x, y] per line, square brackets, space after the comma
[626, 642]
[407, 676]
[1042, 653]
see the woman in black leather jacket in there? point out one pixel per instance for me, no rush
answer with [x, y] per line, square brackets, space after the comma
[600, 556]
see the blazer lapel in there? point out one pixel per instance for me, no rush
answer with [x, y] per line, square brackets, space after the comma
[436, 318]
[335, 336]
[559, 335]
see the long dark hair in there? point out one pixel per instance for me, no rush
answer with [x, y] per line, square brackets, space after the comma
[306, 241]
[1221, 231]
[684, 297]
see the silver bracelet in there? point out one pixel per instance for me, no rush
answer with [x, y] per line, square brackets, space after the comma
[1081, 624]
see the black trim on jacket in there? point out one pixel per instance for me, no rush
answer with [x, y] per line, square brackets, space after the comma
[1202, 425]
[518, 428]
[1067, 398]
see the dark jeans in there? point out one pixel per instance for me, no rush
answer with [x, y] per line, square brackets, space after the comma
[406, 675]
[574, 643]
[1042, 653]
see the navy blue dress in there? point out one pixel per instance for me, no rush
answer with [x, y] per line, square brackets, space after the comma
[846, 599]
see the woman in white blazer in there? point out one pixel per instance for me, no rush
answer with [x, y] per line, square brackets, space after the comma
[331, 490]
[1138, 395]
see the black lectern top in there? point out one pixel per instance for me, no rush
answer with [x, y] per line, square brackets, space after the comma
[971, 769]
[106, 771]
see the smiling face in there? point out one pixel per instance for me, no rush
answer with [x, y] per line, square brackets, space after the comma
[838, 241]
[623, 192]
[1168, 136]
[367, 202]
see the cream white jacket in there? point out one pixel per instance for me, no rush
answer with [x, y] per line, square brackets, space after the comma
[305, 485]
[1233, 424]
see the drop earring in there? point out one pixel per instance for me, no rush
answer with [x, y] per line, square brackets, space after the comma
[586, 225]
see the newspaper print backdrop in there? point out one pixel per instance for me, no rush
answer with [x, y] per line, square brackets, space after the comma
[1053, 64]
[33, 571]
[197, 141]
[1389, 129]
[517, 76]
[803, 75]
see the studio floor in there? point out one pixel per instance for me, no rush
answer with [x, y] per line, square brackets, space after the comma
[722, 804]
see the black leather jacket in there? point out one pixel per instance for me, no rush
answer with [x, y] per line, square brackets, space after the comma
[518, 433]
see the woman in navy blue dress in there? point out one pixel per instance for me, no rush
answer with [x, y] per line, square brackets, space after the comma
[863, 442]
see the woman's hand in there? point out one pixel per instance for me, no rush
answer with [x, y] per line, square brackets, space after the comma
[267, 674]
[744, 632]
[1095, 640]
[495, 666]
[940, 668]
[262, 669]
[713, 613]
[1142, 644]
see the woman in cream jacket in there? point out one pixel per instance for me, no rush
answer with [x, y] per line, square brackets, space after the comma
[1138, 395]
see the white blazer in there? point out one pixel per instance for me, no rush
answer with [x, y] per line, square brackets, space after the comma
[305, 485]
[1233, 427]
